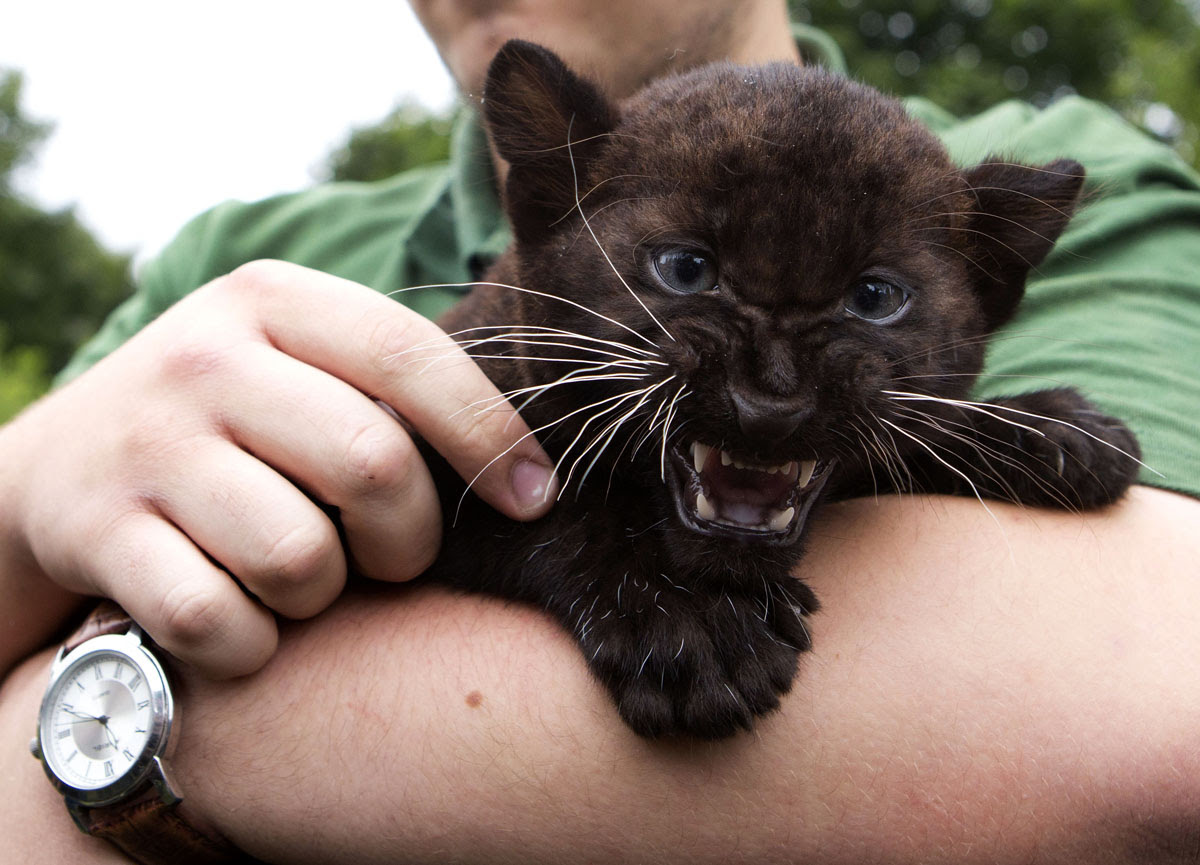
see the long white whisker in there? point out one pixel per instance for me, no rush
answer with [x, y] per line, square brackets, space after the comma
[518, 288]
[903, 396]
[983, 449]
[537, 390]
[509, 449]
[679, 394]
[984, 452]
[918, 440]
[475, 343]
[529, 330]
[572, 378]
[894, 450]
[596, 240]
[620, 399]
[651, 426]
[622, 364]
[610, 431]
[885, 458]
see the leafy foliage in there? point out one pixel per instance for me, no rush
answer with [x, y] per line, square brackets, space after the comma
[1139, 56]
[409, 136]
[56, 282]
[19, 135]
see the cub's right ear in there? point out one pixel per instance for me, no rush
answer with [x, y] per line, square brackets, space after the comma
[547, 123]
[1019, 212]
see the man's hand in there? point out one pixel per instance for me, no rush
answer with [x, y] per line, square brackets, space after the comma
[183, 464]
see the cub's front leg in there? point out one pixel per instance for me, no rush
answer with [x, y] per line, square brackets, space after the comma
[696, 642]
[696, 662]
[1051, 448]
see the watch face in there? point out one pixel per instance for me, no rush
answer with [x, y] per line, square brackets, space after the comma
[104, 717]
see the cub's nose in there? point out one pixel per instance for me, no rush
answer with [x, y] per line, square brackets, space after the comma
[768, 420]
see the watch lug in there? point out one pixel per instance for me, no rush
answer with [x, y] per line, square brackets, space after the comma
[76, 812]
[35, 746]
[161, 779]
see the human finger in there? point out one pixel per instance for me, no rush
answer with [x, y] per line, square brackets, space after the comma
[363, 338]
[348, 452]
[181, 599]
[258, 526]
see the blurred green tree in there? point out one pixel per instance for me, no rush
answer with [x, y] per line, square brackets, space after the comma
[1140, 56]
[57, 283]
[410, 135]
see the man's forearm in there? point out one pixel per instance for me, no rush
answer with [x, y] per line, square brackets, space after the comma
[1010, 689]
[34, 822]
[1023, 688]
[34, 606]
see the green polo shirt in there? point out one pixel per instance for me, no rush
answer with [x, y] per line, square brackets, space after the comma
[1114, 310]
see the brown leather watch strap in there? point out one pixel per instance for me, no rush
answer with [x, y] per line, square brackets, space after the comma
[151, 831]
[106, 618]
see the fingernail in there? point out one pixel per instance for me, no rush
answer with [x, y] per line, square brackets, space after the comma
[533, 484]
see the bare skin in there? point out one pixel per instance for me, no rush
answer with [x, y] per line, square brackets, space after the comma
[622, 44]
[166, 454]
[1031, 698]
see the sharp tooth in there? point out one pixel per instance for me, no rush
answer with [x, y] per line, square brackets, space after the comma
[806, 472]
[772, 470]
[700, 455]
[738, 464]
[726, 459]
[782, 519]
[704, 509]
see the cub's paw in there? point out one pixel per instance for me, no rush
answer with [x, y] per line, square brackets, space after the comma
[1078, 457]
[704, 668]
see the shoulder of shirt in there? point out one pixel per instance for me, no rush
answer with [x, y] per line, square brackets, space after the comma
[307, 227]
[321, 227]
[1116, 154]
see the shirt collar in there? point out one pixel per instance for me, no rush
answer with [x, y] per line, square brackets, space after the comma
[481, 229]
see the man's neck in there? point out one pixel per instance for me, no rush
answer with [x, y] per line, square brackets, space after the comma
[621, 44]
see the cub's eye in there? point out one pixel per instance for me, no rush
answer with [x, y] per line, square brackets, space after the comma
[686, 270]
[876, 300]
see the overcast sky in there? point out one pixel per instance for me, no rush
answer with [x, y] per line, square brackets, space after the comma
[162, 109]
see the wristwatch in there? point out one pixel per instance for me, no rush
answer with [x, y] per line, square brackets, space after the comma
[105, 730]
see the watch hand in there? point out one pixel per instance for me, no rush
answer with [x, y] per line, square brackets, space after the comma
[83, 715]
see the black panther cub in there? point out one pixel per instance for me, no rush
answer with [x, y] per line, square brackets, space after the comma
[739, 292]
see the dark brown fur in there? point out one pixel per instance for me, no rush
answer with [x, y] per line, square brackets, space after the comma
[799, 185]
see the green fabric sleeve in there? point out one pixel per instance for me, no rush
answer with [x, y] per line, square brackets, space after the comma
[386, 235]
[1115, 309]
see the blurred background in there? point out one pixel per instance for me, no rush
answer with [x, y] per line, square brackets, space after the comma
[119, 121]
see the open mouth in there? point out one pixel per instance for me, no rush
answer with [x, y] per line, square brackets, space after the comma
[722, 493]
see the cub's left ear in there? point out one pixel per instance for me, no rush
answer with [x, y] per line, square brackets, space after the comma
[549, 124]
[1019, 212]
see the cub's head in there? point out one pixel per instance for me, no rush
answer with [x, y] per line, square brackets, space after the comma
[766, 252]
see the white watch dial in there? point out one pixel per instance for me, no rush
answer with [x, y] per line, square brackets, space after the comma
[98, 720]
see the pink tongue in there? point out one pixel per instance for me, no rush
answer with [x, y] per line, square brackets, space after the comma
[747, 515]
